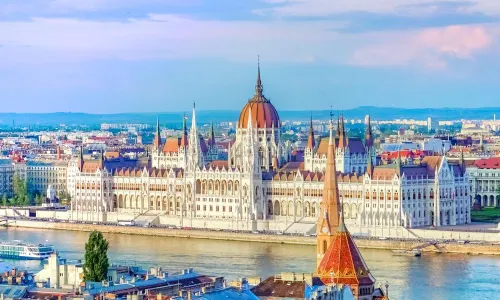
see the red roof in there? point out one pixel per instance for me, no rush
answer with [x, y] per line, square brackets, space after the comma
[344, 261]
[488, 163]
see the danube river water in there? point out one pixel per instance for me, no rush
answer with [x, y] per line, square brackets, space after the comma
[432, 276]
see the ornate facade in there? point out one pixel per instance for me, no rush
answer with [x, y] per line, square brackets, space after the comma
[258, 184]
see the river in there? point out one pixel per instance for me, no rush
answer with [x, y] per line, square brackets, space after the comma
[432, 276]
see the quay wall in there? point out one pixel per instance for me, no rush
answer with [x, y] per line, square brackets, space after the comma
[474, 249]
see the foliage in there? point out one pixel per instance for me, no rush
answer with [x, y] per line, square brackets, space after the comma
[38, 199]
[64, 197]
[21, 193]
[96, 258]
[5, 202]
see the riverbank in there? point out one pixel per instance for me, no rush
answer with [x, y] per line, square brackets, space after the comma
[472, 249]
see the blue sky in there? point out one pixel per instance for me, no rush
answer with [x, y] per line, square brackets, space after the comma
[105, 56]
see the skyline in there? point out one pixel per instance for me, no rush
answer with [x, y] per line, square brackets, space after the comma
[144, 56]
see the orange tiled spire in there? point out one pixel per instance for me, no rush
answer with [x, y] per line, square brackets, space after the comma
[310, 140]
[328, 220]
[343, 263]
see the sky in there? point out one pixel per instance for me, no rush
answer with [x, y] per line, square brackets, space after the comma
[110, 56]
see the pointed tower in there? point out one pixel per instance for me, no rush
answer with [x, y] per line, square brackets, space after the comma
[157, 139]
[342, 135]
[461, 161]
[80, 159]
[343, 264]
[328, 220]
[184, 136]
[101, 160]
[58, 153]
[369, 162]
[258, 85]
[211, 136]
[195, 153]
[368, 134]
[310, 140]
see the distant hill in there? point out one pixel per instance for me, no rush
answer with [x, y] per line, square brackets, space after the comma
[173, 118]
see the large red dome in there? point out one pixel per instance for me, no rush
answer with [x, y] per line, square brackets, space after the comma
[259, 108]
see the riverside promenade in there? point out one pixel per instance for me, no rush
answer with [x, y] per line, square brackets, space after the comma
[373, 243]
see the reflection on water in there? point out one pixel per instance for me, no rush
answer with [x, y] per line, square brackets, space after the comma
[428, 277]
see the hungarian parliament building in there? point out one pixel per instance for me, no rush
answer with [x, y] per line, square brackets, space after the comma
[259, 187]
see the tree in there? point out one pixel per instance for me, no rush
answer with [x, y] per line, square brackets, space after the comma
[5, 202]
[21, 194]
[38, 199]
[96, 258]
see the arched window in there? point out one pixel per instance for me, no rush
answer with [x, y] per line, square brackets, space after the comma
[325, 246]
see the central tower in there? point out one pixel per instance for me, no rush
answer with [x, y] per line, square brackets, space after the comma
[265, 129]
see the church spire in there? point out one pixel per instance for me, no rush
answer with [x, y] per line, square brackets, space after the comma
[258, 85]
[310, 140]
[157, 139]
[328, 220]
[369, 134]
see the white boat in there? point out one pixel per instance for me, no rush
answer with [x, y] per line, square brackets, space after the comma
[413, 252]
[21, 250]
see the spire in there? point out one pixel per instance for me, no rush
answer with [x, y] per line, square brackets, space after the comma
[369, 162]
[101, 160]
[462, 160]
[211, 135]
[184, 137]
[329, 218]
[369, 134]
[342, 136]
[258, 85]
[157, 139]
[310, 141]
[80, 158]
[398, 163]
[193, 118]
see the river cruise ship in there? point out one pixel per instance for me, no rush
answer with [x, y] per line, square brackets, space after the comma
[20, 250]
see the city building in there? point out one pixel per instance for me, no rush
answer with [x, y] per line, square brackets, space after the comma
[259, 187]
[484, 176]
[6, 178]
[42, 174]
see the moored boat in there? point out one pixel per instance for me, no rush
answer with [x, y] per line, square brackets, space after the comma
[21, 250]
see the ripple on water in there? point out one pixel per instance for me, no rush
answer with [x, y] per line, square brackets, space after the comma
[431, 276]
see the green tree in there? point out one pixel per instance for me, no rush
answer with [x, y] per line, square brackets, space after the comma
[5, 202]
[21, 194]
[96, 257]
[38, 199]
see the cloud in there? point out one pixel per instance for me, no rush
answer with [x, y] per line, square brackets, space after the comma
[319, 8]
[163, 37]
[429, 47]
[43, 7]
